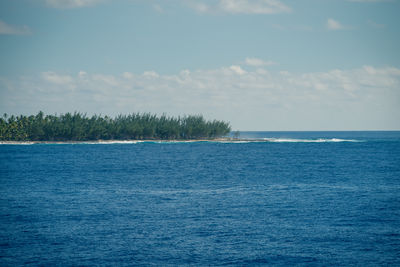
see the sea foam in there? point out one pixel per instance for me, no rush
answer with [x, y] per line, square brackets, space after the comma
[235, 141]
[319, 140]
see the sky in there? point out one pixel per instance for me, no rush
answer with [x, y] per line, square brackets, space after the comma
[267, 65]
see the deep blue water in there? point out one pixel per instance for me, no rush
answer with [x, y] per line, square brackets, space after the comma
[318, 198]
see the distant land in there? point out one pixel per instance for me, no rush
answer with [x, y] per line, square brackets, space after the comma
[136, 126]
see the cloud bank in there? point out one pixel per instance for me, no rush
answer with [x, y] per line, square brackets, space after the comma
[365, 98]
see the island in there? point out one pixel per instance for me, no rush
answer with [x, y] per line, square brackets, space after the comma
[136, 126]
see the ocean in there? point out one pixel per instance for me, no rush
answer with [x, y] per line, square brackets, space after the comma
[276, 198]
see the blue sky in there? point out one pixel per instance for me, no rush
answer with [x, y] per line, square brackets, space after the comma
[260, 64]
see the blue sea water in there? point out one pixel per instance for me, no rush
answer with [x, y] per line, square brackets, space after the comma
[292, 198]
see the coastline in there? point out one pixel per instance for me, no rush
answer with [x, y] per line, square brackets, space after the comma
[329, 139]
[133, 141]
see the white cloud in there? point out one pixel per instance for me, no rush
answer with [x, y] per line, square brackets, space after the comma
[82, 74]
[127, 75]
[370, 1]
[240, 6]
[256, 62]
[71, 3]
[332, 24]
[150, 74]
[362, 98]
[58, 79]
[253, 6]
[202, 6]
[237, 69]
[108, 80]
[13, 29]
[185, 72]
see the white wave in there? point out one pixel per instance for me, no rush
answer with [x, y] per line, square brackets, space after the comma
[16, 143]
[237, 141]
[105, 142]
[68, 142]
[320, 140]
[174, 141]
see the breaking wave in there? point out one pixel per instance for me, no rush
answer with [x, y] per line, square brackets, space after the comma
[16, 143]
[319, 140]
[69, 142]
[238, 141]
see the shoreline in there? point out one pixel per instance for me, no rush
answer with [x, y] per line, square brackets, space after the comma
[158, 141]
[133, 141]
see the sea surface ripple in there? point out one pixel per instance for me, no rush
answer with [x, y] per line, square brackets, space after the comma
[203, 203]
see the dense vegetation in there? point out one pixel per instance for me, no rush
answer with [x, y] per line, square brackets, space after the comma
[79, 127]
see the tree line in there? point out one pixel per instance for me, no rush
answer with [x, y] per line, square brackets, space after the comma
[136, 126]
